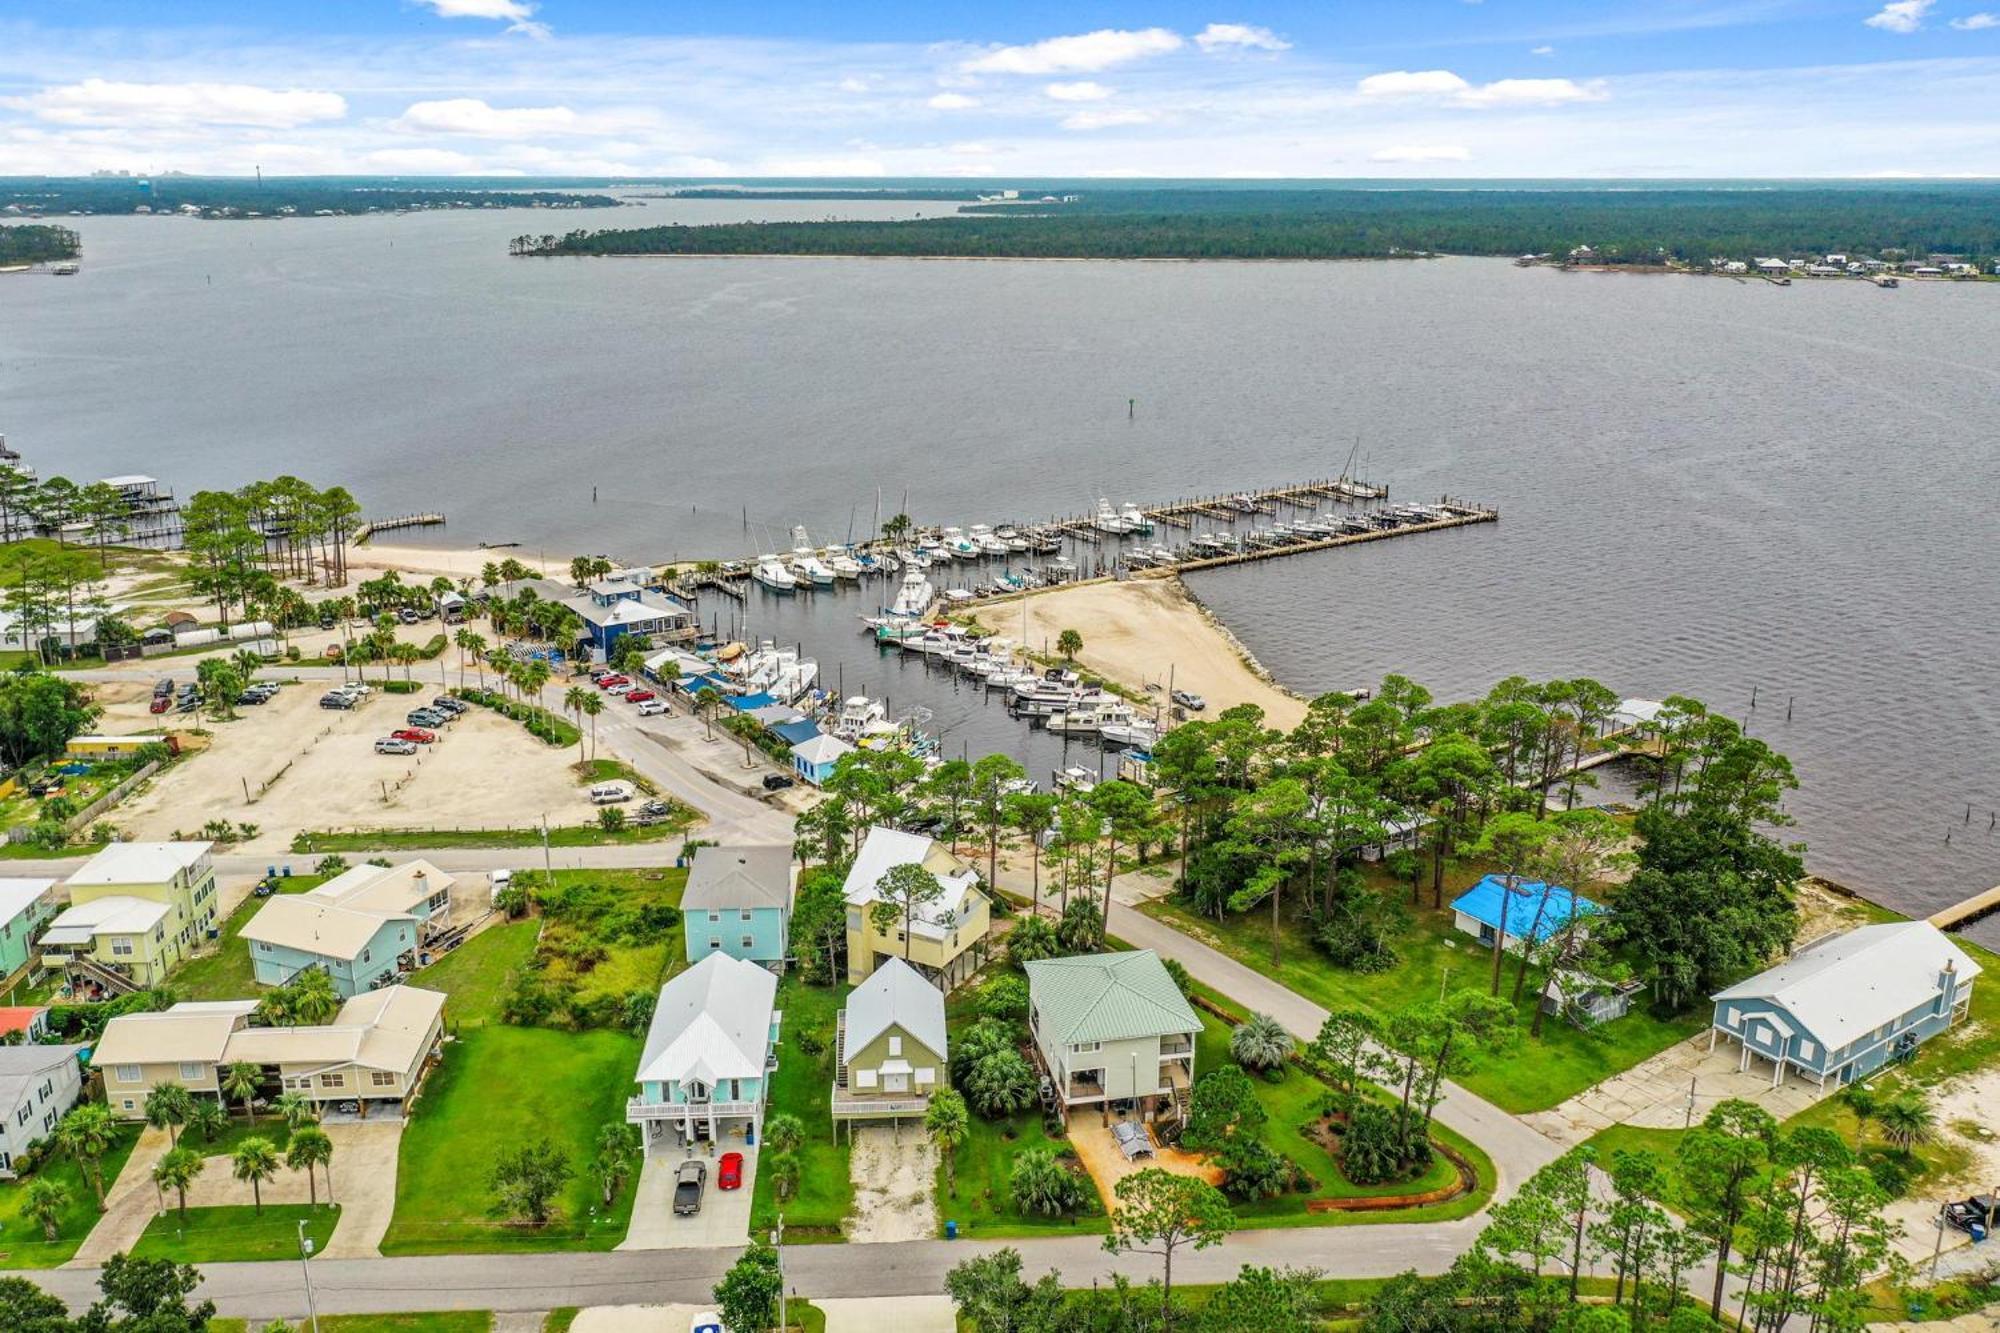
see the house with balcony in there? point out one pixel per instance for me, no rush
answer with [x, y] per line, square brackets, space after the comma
[738, 901]
[890, 1048]
[26, 906]
[374, 1053]
[945, 937]
[709, 1054]
[1840, 1009]
[136, 909]
[38, 1084]
[363, 927]
[1113, 1027]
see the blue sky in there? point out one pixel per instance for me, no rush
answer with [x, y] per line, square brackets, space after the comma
[1173, 88]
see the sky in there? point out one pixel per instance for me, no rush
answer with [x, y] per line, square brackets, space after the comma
[1030, 88]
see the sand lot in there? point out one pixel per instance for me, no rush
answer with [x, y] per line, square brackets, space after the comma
[291, 765]
[1135, 632]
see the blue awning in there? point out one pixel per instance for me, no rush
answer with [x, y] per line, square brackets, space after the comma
[750, 703]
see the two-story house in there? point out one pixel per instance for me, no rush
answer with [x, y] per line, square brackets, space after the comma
[709, 1054]
[946, 936]
[1113, 1027]
[37, 1085]
[375, 1052]
[890, 1048]
[362, 928]
[1844, 1007]
[136, 909]
[26, 905]
[738, 901]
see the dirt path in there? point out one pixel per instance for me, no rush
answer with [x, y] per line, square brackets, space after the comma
[895, 1185]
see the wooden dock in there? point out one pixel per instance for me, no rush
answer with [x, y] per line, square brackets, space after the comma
[1461, 515]
[1969, 911]
[1304, 494]
[374, 525]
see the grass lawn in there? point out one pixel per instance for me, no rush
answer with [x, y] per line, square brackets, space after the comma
[227, 972]
[1533, 1075]
[498, 1088]
[984, 1208]
[628, 965]
[268, 1127]
[314, 842]
[475, 974]
[21, 1243]
[803, 1086]
[236, 1233]
[443, 1321]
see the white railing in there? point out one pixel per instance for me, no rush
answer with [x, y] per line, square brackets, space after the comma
[879, 1105]
[639, 1112]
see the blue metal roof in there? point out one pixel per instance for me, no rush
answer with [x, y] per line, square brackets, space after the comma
[1556, 904]
[791, 733]
[750, 703]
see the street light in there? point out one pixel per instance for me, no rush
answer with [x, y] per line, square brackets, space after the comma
[305, 1265]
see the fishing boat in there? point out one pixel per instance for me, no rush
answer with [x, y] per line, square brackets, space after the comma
[1006, 678]
[959, 546]
[843, 564]
[914, 596]
[1011, 539]
[986, 540]
[895, 632]
[1075, 778]
[1138, 732]
[859, 715]
[770, 572]
[1107, 519]
[1135, 520]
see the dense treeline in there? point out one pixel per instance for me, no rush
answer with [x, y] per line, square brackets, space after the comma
[1685, 223]
[121, 194]
[37, 244]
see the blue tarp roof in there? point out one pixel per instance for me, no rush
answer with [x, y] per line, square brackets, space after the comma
[791, 733]
[1482, 901]
[695, 684]
[749, 703]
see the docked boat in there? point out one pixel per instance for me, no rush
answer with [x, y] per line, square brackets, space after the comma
[772, 573]
[1138, 733]
[844, 565]
[1075, 778]
[914, 596]
[1135, 520]
[959, 546]
[859, 715]
[1107, 519]
[986, 540]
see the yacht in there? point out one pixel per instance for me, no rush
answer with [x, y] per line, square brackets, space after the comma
[986, 540]
[1075, 778]
[1135, 520]
[1007, 677]
[960, 546]
[1139, 732]
[773, 575]
[858, 716]
[843, 564]
[913, 559]
[915, 595]
[1107, 519]
[1012, 539]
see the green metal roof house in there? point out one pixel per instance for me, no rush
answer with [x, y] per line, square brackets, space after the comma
[1113, 1027]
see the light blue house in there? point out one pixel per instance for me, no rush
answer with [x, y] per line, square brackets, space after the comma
[709, 1054]
[738, 901]
[363, 927]
[1530, 911]
[1841, 1009]
[813, 759]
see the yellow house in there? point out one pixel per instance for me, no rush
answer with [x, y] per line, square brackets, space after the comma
[136, 909]
[946, 936]
[113, 747]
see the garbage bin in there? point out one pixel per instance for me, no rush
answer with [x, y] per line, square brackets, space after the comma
[951, 1231]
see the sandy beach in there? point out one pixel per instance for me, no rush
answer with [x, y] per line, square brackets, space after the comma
[1140, 633]
[453, 562]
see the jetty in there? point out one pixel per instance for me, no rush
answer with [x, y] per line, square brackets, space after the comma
[1969, 911]
[370, 527]
[1457, 515]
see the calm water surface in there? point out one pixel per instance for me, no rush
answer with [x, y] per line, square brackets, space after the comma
[1707, 487]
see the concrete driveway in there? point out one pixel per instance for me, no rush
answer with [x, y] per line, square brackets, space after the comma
[130, 1202]
[724, 1218]
[364, 1184]
[1654, 1092]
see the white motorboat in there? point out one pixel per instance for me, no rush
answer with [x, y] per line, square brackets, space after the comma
[770, 572]
[1138, 733]
[984, 538]
[1135, 520]
[843, 564]
[810, 568]
[959, 546]
[858, 714]
[1075, 778]
[959, 594]
[1107, 519]
[1011, 539]
[915, 595]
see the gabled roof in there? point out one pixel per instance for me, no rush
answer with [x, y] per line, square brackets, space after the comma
[1857, 981]
[1107, 997]
[896, 995]
[140, 862]
[822, 749]
[886, 848]
[380, 1029]
[739, 877]
[20, 1017]
[18, 895]
[384, 888]
[197, 1036]
[1554, 903]
[713, 1021]
[310, 925]
[22, 1068]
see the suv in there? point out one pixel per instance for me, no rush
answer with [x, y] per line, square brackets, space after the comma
[444, 703]
[776, 782]
[1189, 700]
[336, 699]
[688, 1182]
[1981, 1211]
[426, 717]
[392, 745]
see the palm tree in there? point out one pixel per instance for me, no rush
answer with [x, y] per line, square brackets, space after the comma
[1261, 1043]
[1069, 643]
[592, 706]
[178, 1169]
[573, 698]
[946, 1122]
[617, 1150]
[313, 998]
[167, 1107]
[1907, 1120]
[784, 1171]
[462, 640]
[296, 1110]
[86, 1134]
[256, 1161]
[240, 1080]
[43, 1205]
[311, 1147]
[207, 1118]
[783, 1133]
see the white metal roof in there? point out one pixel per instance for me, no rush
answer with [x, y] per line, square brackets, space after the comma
[140, 862]
[886, 848]
[896, 995]
[713, 1021]
[822, 749]
[18, 895]
[115, 915]
[1856, 982]
[392, 889]
[315, 926]
[22, 1068]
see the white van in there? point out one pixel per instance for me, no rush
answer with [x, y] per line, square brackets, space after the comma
[610, 793]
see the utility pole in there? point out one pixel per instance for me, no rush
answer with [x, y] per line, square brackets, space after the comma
[778, 1245]
[305, 1265]
[1687, 1122]
[548, 866]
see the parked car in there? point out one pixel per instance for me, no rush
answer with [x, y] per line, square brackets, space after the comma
[415, 734]
[777, 782]
[335, 699]
[161, 703]
[612, 681]
[444, 703]
[395, 745]
[408, 616]
[652, 707]
[610, 793]
[729, 1171]
[688, 1183]
[639, 696]
[164, 685]
[424, 717]
[619, 687]
[1977, 1211]
[1189, 700]
[251, 698]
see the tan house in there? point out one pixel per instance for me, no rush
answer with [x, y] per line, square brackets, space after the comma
[1113, 1027]
[946, 936]
[373, 1053]
[890, 1048]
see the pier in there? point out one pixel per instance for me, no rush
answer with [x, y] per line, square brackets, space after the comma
[374, 525]
[1969, 911]
[1459, 515]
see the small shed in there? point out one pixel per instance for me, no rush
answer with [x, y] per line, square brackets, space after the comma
[1586, 1000]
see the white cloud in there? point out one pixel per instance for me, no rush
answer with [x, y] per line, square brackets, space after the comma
[1082, 91]
[1422, 152]
[1976, 22]
[1082, 54]
[1104, 120]
[1901, 15]
[102, 102]
[518, 15]
[422, 161]
[1542, 51]
[1445, 85]
[1239, 37]
[853, 85]
[952, 102]
[972, 149]
[1412, 83]
[471, 115]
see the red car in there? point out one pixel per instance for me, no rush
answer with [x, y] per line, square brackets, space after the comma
[417, 734]
[729, 1173]
[606, 682]
[160, 704]
[637, 696]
